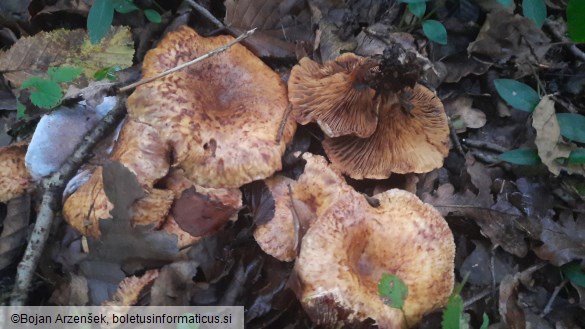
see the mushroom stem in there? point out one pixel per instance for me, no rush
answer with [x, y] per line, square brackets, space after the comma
[212, 53]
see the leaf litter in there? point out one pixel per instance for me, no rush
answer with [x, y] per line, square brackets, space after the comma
[515, 226]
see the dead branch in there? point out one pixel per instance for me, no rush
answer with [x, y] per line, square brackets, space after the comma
[572, 47]
[51, 201]
[206, 13]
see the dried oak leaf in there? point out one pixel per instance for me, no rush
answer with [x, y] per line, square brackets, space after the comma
[130, 288]
[34, 55]
[464, 116]
[548, 139]
[281, 25]
[562, 241]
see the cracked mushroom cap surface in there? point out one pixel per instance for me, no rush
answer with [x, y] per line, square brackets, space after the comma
[334, 96]
[345, 253]
[15, 179]
[220, 117]
[405, 141]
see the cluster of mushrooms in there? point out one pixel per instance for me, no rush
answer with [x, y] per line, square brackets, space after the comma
[214, 126]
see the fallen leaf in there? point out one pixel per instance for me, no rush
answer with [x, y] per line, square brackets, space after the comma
[510, 311]
[14, 178]
[551, 147]
[130, 288]
[200, 215]
[562, 240]
[72, 292]
[464, 116]
[14, 230]
[32, 56]
[174, 285]
[479, 265]
[259, 200]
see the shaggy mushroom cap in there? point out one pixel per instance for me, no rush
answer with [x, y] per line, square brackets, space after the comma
[15, 179]
[141, 150]
[220, 117]
[406, 140]
[345, 253]
[334, 95]
[313, 193]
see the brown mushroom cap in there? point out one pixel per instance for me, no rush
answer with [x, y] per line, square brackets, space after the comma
[404, 142]
[221, 117]
[333, 96]
[312, 194]
[15, 179]
[345, 253]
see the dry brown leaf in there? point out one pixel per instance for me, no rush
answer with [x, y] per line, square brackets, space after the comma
[551, 147]
[130, 288]
[562, 240]
[14, 178]
[464, 116]
[280, 24]
[32, 56]
[14, 230]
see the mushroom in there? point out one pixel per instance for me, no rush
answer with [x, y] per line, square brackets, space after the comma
[15, 180]
[346, 251]
[414, 141]
[335, 95]
[297, 205]
[221, 117]
[379, 120]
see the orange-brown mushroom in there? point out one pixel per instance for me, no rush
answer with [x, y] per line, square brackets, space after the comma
[334, 95]
[413, 141]
[15, 179]
[346, 251]
[313, 193]
[377, 118]
[221, 117]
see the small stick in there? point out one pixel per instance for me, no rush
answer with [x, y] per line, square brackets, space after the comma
[554, 295]
[53, 186]
[196, 60]
[574, 49]
[206, 13]
[455, 138]
[484, 145]
[283, 123]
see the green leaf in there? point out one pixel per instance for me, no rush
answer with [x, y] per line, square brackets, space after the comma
[527, 157]
[44, 93]
[64, 73]
[572, 126]
[435, 31]
[125, 6]
[107, 73]
[413, 1]
[392, 290]
[453, 313]
[575, 21]
[486, 322]
[20, 111]
[574, 272]
[535, 10]
[152, 15]
[417, 8]
[577, 156]
[505, 3]
[519, 95]
[100, 19]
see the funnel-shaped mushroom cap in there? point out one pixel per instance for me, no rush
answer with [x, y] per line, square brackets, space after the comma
[14, 178]
[221, 117]
[317, 189]
[334, 96]
[406, 140]
[345, 253]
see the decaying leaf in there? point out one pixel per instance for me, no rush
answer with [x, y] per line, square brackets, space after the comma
[562, 240]
[464, 116]
[32, 56]
[281, 24]
[259, 200]
[14, 230]
[14, 178]
[130, 289]
[478, 265]
[551, 147]
[510, 311]
[508, 37]
[174, 285]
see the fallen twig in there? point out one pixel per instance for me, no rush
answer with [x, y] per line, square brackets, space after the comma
[196, 60]
[555, 31]
[484, 145]
[206, 13]
[51, 201]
